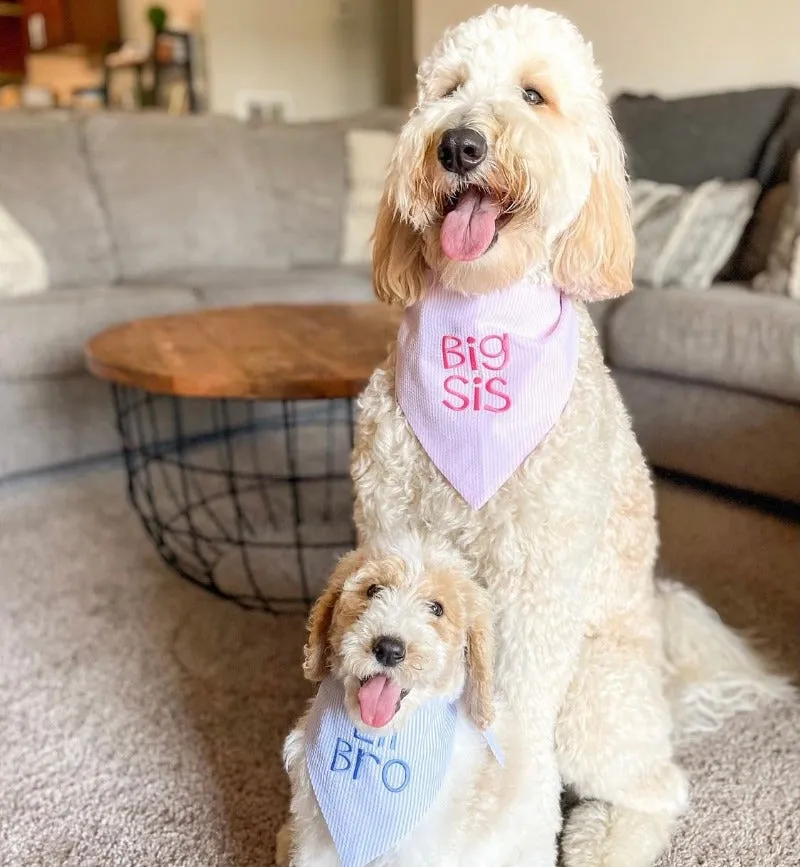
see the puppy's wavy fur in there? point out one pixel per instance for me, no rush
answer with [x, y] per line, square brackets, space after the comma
[481, 815]
[596, 660]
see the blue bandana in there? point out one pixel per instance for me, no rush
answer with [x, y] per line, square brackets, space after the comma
[373, 790]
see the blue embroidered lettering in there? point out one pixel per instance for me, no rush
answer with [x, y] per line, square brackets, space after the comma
[359, 757]
[401, 782]
[341, 753]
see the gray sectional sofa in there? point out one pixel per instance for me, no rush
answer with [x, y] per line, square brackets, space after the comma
[712, 378]
[144, 215]
[140, 215]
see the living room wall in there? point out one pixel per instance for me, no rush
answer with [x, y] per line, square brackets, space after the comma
[323, 56]
[680, 47]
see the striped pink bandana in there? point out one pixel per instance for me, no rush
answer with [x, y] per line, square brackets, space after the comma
[483, 378]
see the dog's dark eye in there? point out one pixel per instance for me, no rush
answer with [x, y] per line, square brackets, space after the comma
[532, 96]
[436, 609]
[373, 590]
[451, 91]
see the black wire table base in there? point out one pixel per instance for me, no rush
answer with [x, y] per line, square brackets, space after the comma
[251, 501]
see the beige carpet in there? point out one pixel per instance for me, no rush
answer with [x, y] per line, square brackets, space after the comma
[141, 720]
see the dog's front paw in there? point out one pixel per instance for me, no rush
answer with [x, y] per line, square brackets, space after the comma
[283, 847]
[598, 834]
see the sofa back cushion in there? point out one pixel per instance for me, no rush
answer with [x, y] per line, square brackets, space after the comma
[307, 168]
[184, 193]
[46, 190]
[699, 138]
[310, 170]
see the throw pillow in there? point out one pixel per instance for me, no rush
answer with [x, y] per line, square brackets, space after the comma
[685, 236]
[750, 256]
[23, 270]
[368, 156]
[782, 274]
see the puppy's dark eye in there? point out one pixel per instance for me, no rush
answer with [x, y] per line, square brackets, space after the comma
[531, 95]
[436, 609]
[451, 91]
[373, 590]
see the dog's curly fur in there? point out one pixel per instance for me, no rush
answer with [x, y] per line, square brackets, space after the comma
[594, 658]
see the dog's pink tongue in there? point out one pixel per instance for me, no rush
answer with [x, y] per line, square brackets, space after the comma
[378, 699]
[468, 230]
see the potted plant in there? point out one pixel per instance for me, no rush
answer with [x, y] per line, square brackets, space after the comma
[157, 16]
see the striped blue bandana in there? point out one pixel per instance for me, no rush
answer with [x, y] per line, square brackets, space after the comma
[372, 790]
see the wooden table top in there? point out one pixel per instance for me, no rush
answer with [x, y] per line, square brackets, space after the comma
[271, 352]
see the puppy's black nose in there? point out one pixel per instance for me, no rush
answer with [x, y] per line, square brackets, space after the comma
[389, 651]
[461, 150]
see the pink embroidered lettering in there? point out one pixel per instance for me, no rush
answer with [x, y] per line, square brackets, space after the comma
[473, 360]
[490, 353]
[450, 347]
[494, 389]
[476, 394]
[500, 354]
[449, 387]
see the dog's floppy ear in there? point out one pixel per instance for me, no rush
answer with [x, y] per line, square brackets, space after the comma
[594, 256]
[315, 664]
[480, 659]
[398, 266]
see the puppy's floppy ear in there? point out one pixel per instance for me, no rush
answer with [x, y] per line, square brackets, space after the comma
[480, 659]
[594, 256]
[315, 664]
[398, 266]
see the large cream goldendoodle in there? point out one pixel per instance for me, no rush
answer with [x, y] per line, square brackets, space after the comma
[510, 171]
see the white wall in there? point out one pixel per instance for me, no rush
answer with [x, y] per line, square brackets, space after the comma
[324, 54]
[671, 48]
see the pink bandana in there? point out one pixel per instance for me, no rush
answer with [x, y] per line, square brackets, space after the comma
[483, 378]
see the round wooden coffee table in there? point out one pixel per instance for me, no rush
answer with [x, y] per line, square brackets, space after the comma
[236, 427]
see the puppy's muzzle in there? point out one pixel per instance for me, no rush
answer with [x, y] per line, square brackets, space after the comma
[462, 150]
[389, 651]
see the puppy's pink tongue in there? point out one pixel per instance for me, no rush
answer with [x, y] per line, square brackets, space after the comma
[468, 230]
[378, 699]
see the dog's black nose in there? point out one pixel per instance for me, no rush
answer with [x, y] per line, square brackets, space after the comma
[389, 651]
[461, 150]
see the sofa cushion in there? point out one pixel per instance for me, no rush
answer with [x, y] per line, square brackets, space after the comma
[781, 275]
[727, 336]
[306, 166]
[184, 192]
[685, 237]
[369, 153]
[299, 286]
[55, 421]
[729, 437]
[46, 187]
[750, 256]
[698, 138]
[43, 335]
[23, 268]
[784, 143]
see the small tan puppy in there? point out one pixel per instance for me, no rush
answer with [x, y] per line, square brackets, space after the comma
[400, 633]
